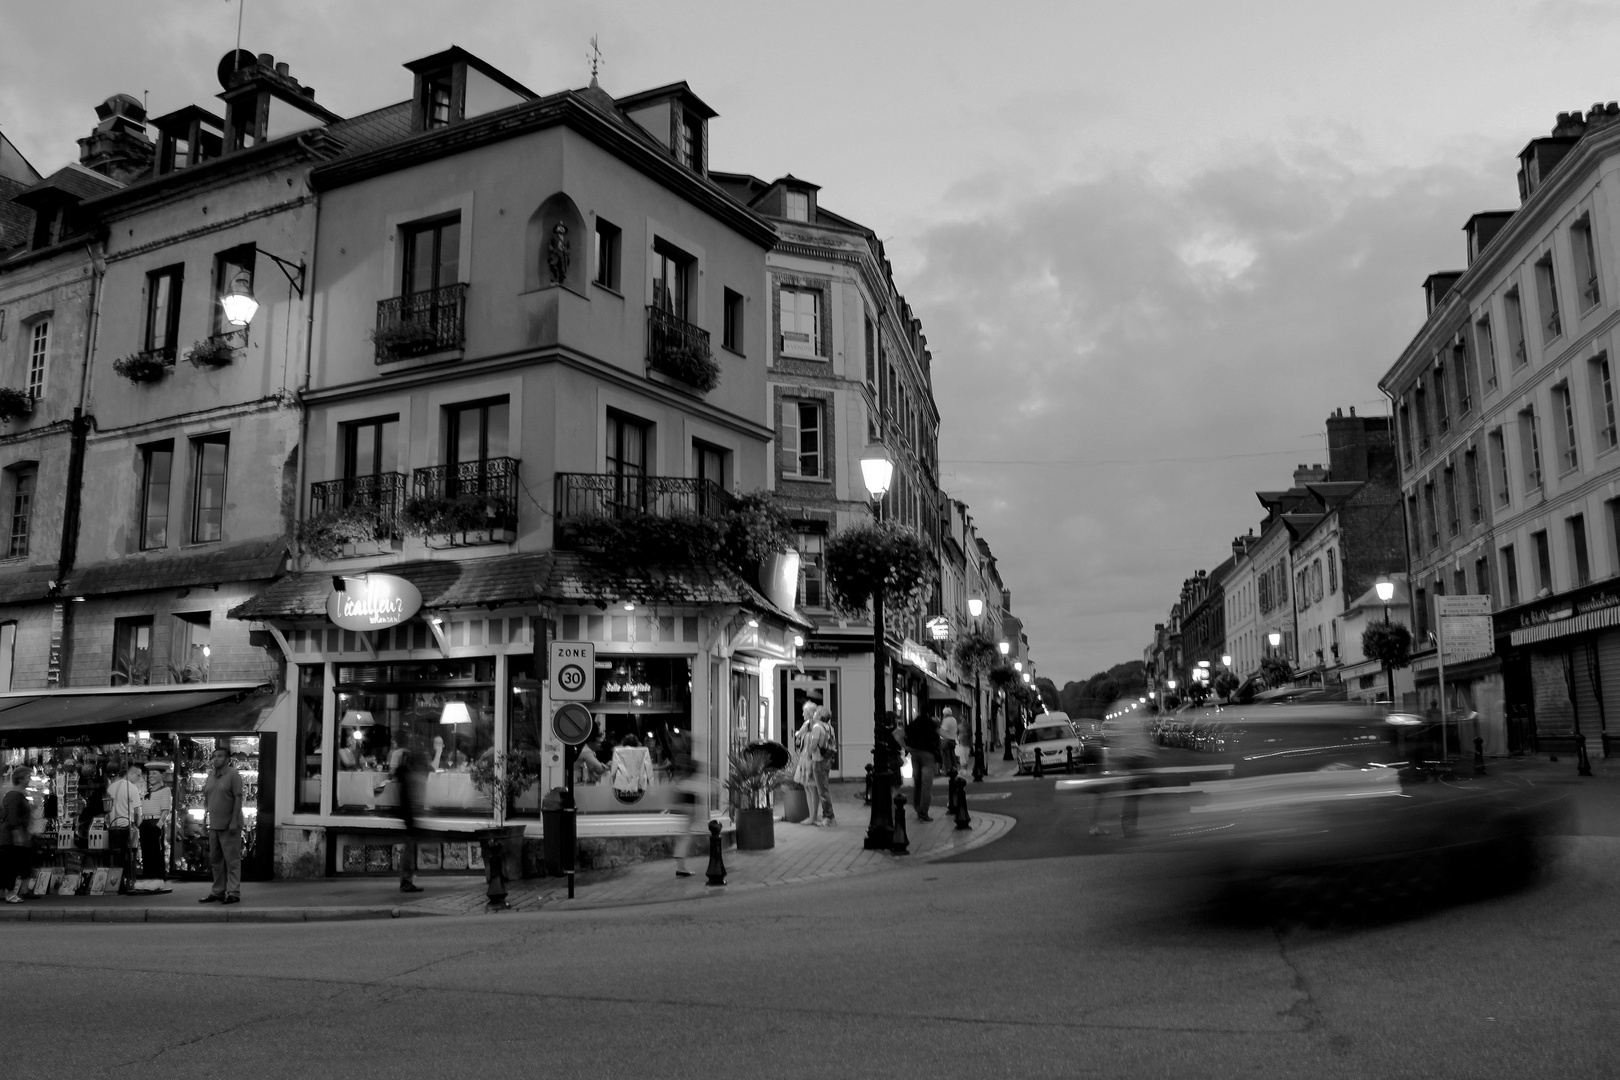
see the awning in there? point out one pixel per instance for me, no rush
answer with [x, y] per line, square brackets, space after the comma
[222, 705]
[940, 690]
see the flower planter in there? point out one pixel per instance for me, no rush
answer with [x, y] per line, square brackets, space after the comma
[779, 578]
[755, 830]
[14, 404]
[795, 804]
[470, 538]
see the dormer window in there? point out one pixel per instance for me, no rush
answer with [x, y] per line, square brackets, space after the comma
[797, 207]
[689, 148]
[436, 96]
[454, 86]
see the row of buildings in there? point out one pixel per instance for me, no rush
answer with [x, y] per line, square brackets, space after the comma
[321, 431]
[1504, 467]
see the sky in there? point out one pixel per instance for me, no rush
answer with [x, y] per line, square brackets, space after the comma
[1153, 245]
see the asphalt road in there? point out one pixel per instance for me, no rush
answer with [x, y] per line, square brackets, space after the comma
[1017, 960]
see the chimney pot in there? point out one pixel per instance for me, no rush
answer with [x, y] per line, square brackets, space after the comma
[267, 60]
[282, 68]
[1352, 410]
[309, 92]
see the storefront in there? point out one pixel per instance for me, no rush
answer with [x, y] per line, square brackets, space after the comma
[1561, 671]
[459, 677]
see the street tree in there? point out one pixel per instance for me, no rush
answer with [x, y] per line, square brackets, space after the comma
[1391, 645]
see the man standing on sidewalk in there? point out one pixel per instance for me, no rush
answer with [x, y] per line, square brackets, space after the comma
[947, 739]
[222, 800]
[922, 739]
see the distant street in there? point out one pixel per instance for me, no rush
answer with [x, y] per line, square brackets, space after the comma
[926, 971]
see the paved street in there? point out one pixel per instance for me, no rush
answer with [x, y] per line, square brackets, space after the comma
[923, 970]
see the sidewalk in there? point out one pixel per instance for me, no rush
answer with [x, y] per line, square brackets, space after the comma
[802, 853]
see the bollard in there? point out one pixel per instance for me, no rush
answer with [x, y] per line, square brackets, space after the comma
[717, 865]
[495, 872]
[1479, 756]
[1038, 772]
[1583, 765]
[901, 844]
[866, 792]
[1068, 759]
[959, 788]
[950, 794]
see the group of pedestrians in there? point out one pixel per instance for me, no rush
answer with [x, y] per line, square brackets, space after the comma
[816, 743]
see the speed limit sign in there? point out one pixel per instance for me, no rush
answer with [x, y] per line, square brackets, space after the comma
[573, 671]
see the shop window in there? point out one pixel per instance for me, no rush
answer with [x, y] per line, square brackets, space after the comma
[525, 729]
[643, 705]
[608, 241]
[157, 462]
[431, 254]
[20, 481]
[163, 310]
[208, 467]
[233, 273]
[442, 710]
[132, 651]
[731, 336]
[311, 698]
[190, 647]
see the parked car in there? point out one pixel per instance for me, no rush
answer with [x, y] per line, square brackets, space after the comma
[1053, 737]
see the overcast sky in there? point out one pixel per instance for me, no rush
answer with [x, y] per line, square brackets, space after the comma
[1153, 244]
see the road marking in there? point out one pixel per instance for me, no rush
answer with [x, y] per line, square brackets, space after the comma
[990, 795]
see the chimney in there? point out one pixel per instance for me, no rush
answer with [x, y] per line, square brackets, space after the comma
[1309, 474]
[1569, 125]
[1601, 115]
[118, 145]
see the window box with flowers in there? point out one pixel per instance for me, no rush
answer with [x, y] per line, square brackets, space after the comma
[145, 367]
[459, 520]
[14, 404]
[216, 351]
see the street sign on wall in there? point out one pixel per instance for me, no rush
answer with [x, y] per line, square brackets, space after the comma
[573, 671]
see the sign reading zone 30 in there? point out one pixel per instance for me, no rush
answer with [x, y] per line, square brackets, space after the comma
[573, 671]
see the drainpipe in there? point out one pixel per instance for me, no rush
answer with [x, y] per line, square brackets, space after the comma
[309, 358]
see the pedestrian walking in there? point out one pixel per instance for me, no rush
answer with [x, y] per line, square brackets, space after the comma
[826, 742]
[948, 731]
[922, 740]
[1128, 751]
[124, 811]
[411, 771]
[222, 806]
[691, 792]
[15, 842]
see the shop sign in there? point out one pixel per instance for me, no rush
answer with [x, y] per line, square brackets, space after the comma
[573, 671]
[627, 687]
[373, 602]
[916, 656]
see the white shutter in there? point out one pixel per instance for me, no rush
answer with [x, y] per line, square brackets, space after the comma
[789, 455]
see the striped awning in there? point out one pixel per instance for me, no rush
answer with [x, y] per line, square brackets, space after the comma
[1579, 624]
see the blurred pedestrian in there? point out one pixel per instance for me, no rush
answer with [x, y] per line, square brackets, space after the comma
[826, 742]
[922, 739]
[1128, 751]
[691, 793]
[15, 842]
[411, 770]
[222, 805]
[947, 739]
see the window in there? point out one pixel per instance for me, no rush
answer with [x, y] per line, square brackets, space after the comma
[1576, 526]
[311, 728]
[1515, 325]
[801, 322]
[608, 240]
[1459, 371]
[1510, 575]
[1603, 402]
[1442, 402]
[801, 439]
[39, 349]
[1459, 582]
[132, 652]
[709, 465]
[1544, 577]
[1421, 613]
[22, 481]
[1332, 571]
[1420, 398]
[1406, 434]
[1499, 462]
[233, 272]
[163, 309]
[208, 466]
[689, 141]
[1547, 298]
[431, 254]
[731, 331]
[1564, 403]
[157, 463]
[437, 89]
[871, 354]
[1586, 268]
[371, 447]
[1453, 508]
[812, 576]
[190, 649]
[627, 440]
[1482, 574]
[1530, 447]
[670, 271]
[8, 654]
[797, 206]
[1487, 350]
[1431, 517]
[473, 434]
[1471, 477]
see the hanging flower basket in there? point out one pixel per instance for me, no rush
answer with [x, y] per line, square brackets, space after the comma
[14, 404]
[216, 351]
[876, 557]
[142, 367]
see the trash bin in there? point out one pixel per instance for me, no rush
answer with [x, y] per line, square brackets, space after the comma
[554, 828]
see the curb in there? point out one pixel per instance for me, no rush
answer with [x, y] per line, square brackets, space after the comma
[181, 915]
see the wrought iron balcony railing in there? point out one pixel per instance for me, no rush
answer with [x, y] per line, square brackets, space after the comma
[382, 495]
[426, 322]
[474, 495]
[583, 497]
[680, 350]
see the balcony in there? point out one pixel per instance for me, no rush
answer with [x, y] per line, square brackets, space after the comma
[679, 350]
[467, 503]
[585, 498]
[421, 323]
[359, 515]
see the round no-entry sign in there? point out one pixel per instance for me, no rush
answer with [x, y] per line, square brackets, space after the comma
[572, 723]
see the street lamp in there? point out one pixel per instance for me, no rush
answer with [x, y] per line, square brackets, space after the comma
[1275, 637]
[239, 303]
[1005, 647]
[877, 470]
[975, 609]
[1386, 593]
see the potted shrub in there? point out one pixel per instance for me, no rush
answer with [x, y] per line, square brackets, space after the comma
[502, 778]
[334, 534]
[749, 783]
[14, 404]
[449, 516]
[758, 543]
[216, 351]
[142, 367]
[405, 339]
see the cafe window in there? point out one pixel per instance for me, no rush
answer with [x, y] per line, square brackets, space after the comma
[442, 710]
[642, 709]
[525, 730]
[311, 697]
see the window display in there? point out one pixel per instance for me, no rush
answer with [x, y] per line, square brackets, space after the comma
[441, 709]
[190, 858]
[641, 703]
[307, 770]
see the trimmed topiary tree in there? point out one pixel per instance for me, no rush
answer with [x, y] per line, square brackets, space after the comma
[1391, 645]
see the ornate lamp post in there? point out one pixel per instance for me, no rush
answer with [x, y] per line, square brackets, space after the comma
[877, 471]
[1386, 593]
[975, 609]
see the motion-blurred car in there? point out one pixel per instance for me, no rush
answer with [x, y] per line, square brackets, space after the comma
[1053, 737]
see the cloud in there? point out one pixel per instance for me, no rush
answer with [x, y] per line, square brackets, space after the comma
[1122, 321]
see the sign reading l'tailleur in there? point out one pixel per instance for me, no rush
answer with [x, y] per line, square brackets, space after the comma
[372, 602]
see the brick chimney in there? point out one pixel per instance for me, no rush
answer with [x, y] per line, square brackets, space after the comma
[1309, 474]
[118, 145]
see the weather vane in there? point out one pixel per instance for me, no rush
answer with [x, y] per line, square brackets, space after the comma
[595, 56]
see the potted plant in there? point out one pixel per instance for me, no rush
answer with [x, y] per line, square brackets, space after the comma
[216, 351]
[502, 778]
[689, 363]
[749, 783]
[449, 515]
[405, 339]
[142, 367]
[14, 404]
[758, 542]
[334, 534]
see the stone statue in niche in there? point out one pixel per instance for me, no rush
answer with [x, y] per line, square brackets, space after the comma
[558, 254]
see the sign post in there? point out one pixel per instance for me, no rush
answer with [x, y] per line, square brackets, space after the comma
[572, 680]
[1462, 628]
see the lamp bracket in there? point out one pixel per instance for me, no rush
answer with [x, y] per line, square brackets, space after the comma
[287, 268]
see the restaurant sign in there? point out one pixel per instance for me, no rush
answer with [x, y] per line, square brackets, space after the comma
[372, 601]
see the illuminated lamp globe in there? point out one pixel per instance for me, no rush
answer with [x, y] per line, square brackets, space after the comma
[975, 607]
[877, 470]
[1004, 647]
[1385, 587]
[1275, 637]
[1226, 659]
[1170, 683]
[239, 305]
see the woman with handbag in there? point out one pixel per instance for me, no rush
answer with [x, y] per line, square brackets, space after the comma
[15, 841]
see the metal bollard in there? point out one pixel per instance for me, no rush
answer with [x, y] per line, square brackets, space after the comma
[950, 794]
[959, 789]
[1583, 765]
[866, 792]
[1068, 759]
[1479, 756]
[717, 865]
[1038, 772]
[495, 872]
[901, 844]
